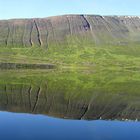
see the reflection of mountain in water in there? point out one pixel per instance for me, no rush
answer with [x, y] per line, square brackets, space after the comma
[54, 101]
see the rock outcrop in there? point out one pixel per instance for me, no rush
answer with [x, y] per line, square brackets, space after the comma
[54, 30]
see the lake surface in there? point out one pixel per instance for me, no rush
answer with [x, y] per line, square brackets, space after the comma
[72, 105]
[33, 127]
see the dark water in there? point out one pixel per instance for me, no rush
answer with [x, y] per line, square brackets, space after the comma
[37, 127]
[25, 66]
[50, 105]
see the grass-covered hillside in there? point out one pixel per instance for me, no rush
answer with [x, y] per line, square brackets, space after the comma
[78, 55]
[83, 41]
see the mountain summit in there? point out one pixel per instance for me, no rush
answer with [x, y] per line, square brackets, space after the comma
[62, 29]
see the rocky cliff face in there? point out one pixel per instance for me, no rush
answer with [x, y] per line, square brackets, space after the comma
[53, 30]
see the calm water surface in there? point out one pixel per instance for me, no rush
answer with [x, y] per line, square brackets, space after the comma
[35, 127]
[41, 105]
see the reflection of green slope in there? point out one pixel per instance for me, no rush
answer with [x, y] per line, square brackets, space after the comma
[75, 95]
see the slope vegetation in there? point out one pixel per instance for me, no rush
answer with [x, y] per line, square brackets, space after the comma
[72, 40]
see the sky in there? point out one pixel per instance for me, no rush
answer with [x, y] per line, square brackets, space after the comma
[44, 8]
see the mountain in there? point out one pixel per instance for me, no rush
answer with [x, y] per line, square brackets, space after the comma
[71, 40]
[95, 62]
[62, 29]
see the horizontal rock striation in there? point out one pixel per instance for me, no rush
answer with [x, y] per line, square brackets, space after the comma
[55, 30]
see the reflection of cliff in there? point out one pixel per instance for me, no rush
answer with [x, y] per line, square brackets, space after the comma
[51, 101]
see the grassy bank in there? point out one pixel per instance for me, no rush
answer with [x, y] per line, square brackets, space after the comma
[76, 56]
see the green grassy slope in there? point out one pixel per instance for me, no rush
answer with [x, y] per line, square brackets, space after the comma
[99, 42]
[78, 55]
[101, 54]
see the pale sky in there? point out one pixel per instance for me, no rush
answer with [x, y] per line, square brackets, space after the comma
[44, 8]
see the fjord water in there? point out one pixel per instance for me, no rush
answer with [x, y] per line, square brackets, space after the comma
[34, 127]
[85, 104]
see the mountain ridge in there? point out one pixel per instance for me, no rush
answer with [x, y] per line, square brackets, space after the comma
[126, 16]
[94, 29]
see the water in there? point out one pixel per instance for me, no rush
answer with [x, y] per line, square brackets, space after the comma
[33, 127]
[68, 105]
